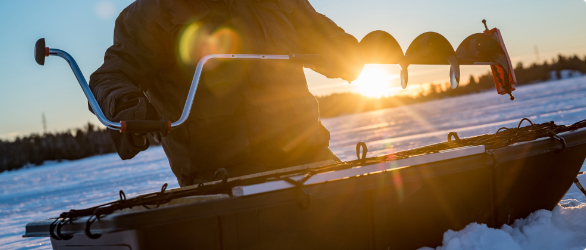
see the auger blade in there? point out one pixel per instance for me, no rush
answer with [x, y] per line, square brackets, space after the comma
[454, 71]
[380, 47]
[429, 48]
[433, 48]
[481, 49]
[404, 78]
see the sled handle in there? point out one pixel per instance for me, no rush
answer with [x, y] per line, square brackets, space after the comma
[149, 126]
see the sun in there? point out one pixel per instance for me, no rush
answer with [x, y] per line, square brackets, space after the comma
[376, 80]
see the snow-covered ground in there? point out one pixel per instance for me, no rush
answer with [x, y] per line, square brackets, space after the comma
[37, 193]
[562, 228]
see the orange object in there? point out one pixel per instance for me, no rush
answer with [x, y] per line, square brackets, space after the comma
[503, 84]
[122, 126]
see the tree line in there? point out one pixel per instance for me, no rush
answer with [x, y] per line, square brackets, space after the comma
[349, 103]
[90, 140]
[35, 149]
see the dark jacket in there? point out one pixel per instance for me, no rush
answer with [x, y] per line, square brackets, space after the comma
[247, 116]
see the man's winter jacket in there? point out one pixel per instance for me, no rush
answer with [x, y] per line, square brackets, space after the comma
[247, 115]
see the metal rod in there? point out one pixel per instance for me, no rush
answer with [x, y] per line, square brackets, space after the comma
[192, 89]
[86, 88]
[197, 76]
[190, 96]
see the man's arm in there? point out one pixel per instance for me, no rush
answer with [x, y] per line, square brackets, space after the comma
[320, 35]
[128, 64]
[314, 29]
[119, 83]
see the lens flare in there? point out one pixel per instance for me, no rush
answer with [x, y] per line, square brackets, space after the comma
[188, 43]
[398, 185]
[197, 41]
[224, 41]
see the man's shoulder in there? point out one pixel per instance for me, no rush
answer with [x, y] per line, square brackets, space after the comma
[147, 10]
[153, 10]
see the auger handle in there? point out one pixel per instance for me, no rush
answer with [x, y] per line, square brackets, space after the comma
[146, 126]
[306, 58]
[41, 51]
[149, 126]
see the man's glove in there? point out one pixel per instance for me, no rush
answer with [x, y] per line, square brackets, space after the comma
[342, 58]
[132, 108]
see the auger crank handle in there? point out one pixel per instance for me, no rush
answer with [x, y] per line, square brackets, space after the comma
[163, 126]
[41, 51]
[306, 58]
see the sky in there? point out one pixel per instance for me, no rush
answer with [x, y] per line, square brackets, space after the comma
[85, 28]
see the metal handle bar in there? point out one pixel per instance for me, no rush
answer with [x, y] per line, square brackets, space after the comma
[199, 69]
[192, 89]
[86, 88]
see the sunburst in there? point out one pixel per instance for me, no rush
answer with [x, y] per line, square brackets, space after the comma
[376, 81]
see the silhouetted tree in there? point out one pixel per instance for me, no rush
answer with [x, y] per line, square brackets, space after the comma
[35, 148]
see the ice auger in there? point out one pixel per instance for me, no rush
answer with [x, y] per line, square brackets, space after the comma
[378, 47]
[430, 48]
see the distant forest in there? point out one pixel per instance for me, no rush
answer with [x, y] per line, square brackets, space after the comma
[349, 103]
[69, 145]
[75, 144]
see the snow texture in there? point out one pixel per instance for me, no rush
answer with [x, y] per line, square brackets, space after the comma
[562, 228]
[37, 193]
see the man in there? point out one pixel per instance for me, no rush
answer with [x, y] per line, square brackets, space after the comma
[248, 116]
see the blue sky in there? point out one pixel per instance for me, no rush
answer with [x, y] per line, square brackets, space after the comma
[84, 29]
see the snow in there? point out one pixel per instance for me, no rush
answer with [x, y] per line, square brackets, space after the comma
[37, 193]
[562, 228]
[43, 192]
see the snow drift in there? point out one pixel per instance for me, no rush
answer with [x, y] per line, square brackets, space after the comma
[562, 228]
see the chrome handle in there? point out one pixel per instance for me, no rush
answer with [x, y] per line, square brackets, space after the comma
[192, 89]
[199, 69]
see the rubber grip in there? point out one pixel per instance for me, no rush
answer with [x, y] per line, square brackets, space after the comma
[145, 126]
[41, 51]
[306, 58]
